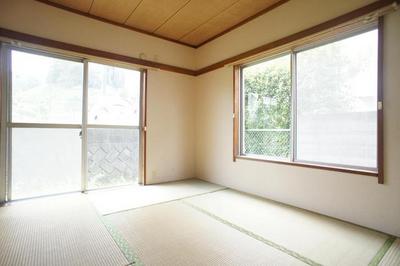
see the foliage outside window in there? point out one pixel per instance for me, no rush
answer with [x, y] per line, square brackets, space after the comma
[267, 116]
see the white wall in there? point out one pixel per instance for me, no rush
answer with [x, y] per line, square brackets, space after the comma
[355, 198]
[170, 137]
[287, 19]
[32, 17]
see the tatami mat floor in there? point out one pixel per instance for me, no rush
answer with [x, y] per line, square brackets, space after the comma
[62, 230]
[321, 239]
[132, 197]
[182, 223]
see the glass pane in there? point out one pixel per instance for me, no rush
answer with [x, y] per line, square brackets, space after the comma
[267, 108]
[114, 95]
[45, 161]
[46, 89]
[337, 102]
[113, 157]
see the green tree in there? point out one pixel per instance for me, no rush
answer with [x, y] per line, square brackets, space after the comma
[271, 90]
[267, 102]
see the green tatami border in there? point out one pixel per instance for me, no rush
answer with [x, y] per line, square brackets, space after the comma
[382, 251]
[123, 245]
[255, 236]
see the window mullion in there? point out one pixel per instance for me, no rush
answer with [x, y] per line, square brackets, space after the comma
[84, 163]
[5, 192]
[294, 107]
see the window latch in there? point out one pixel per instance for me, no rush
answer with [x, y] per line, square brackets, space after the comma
[380, 105]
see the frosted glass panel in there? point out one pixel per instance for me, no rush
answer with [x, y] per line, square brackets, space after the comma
[114, 95]
[267, 107]
[337, 102]
[46, 89]
[113, 157]
[45, 161]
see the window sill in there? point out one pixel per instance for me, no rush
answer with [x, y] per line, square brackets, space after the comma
[310, 165]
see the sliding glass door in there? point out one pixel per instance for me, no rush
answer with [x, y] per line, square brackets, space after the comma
[112, 126]
[68, 124]
[45, 121]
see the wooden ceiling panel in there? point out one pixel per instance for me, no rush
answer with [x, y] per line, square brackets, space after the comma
[188, 22]
[82, 5]
[194, 14]
[115, 10]
[151, 14]
[227, 19]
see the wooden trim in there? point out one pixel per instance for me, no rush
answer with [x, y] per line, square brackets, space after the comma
[113, 22]
[314, 166]
[379, 173]
[262, 12]
[380, 142]
[133, 60]
[235, 114]
[143, 81]
[87, 14]
[372, 7]
[93, 52]
[299, 35]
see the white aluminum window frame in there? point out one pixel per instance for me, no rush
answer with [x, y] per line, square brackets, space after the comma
[293, 138]
[241, 106]
[7, 125]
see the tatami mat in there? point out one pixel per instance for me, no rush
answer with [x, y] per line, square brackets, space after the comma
[392, 256]
[64, 230]
[323, 240]
[120, 199]
[189, 222]
[175, 234]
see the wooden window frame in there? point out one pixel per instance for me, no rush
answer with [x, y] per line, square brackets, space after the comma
[237, 105]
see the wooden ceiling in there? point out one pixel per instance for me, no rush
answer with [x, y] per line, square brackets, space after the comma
[189, 22]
